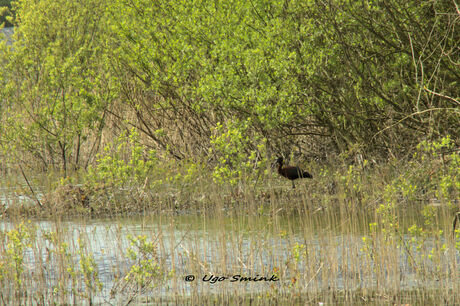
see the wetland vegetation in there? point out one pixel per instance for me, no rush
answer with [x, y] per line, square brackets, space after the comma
[137, 137]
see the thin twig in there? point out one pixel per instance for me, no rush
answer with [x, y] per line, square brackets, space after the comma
[30, 187]
[314, 276]
[413, 114]
[440, 95]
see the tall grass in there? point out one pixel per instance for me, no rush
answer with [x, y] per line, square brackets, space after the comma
[327, 256]
[359, 232]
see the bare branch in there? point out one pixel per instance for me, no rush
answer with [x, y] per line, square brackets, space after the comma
[441, 95]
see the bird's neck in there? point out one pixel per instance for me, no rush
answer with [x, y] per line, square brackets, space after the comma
[280, 167]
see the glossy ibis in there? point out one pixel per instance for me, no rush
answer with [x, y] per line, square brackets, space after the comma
[291, 172]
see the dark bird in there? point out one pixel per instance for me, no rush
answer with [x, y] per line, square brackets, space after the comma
[291, 172]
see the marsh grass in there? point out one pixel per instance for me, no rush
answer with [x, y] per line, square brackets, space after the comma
[361, 233]
[127, 179]
[331, 256]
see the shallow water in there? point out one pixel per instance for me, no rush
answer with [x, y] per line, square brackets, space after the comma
[219, 248]
[308, 251]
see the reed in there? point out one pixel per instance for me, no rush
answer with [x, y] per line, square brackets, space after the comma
[361, 233]
[329, 256]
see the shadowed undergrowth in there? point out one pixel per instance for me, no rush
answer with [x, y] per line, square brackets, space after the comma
[128, 180]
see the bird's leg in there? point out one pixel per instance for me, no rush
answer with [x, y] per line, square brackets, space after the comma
[293, 186]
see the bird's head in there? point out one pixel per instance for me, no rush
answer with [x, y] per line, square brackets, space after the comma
[279, 161]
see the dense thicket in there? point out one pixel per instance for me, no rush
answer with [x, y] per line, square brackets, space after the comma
[228, 79]
[5, 6]
[55, 83]
[376, 74]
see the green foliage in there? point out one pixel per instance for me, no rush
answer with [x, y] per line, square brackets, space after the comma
[432, 173]
[383, 236]
[377, 66]
[306, 76]
[88, 270]
[352, 182]
[12, 257]
[231, 145]
[292, 68]
[434, 169]
[62, 252]
[228, 59]
[444, 160]
[228, 84]
[72, 271]
[298, 251]
[298, 255]
[123, 162]
[55, 89]
[428, 243]
[5, 13]
[145, 268]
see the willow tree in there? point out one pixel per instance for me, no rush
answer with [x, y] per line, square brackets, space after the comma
[305, 76]
[56, 86]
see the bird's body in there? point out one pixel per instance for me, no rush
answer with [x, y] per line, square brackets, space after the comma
[291, 172]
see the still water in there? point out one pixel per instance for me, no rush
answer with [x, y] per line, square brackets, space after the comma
[238, 253]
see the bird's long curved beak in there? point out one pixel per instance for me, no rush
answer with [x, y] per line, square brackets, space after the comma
[274, 164]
